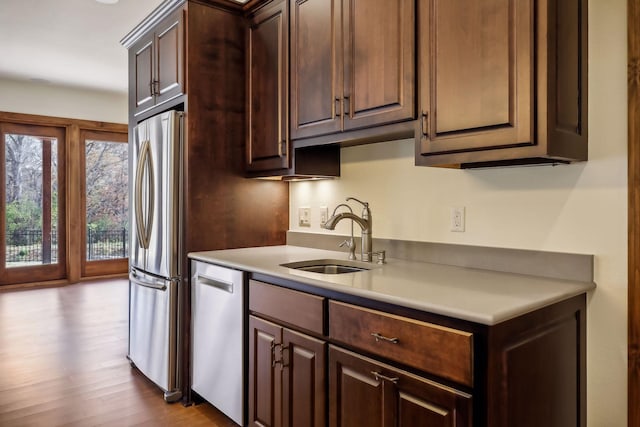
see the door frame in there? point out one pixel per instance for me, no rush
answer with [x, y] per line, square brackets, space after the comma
[633, 143]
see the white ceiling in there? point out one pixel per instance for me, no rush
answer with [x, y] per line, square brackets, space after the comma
[68, 42]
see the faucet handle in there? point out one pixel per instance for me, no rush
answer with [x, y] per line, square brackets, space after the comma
[349, 243]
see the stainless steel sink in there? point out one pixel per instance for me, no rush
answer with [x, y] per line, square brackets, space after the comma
[326, 266]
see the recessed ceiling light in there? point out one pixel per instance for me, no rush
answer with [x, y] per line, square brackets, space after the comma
[107, 1]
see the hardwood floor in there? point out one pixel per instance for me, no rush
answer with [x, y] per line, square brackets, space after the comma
[63, 363]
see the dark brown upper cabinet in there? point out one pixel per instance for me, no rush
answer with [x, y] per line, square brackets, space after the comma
[157, 64]
[267, 54]
[502, 82]
[269, 151]
[352, 65]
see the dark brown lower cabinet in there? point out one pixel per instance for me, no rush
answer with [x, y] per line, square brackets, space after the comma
[286, 377]
[528, 371]
[364, 392]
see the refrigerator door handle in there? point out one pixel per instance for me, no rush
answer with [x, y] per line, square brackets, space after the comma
[144, 227]
[215, 283]
[158, 285]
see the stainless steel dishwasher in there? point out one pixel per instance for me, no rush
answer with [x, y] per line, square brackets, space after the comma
[217, 310]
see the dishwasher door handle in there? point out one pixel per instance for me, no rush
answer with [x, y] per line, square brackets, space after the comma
[215, 283]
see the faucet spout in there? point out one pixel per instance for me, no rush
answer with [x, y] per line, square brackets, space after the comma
[365, 225]
[335, 219]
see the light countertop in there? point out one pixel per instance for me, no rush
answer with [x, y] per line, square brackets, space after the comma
[481, 296]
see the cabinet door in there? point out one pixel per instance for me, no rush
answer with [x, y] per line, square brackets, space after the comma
[379, 62]
[141, 59]
[475, 74]
[316, 64]
[303, 391]
[169, 39]
[267, 89]
[265, 376]
[364, 392]
[356, 398]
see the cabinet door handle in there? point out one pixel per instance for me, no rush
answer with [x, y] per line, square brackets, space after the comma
[282, 148]
[425, 124]
[154, 87]
[337, 106]
[275, 361]
[378, 376]
[347, 108]
[379, 337]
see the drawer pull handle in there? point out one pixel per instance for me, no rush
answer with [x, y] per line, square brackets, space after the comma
[378, 376]
[379, 337]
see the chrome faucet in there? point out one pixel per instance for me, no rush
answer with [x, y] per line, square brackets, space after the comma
[364, 222]
[349, 243]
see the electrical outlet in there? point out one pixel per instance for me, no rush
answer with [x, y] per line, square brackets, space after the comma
[304, 217]
[457, 219]
[324, 215]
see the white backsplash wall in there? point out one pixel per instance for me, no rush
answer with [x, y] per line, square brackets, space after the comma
[579, 208]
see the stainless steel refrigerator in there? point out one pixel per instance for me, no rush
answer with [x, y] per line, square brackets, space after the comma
[155, 279]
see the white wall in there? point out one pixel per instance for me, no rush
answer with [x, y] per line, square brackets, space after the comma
[17, 96]
[580, 208]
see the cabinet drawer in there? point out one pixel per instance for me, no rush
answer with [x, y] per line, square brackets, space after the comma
[441, 351]
[296, 308]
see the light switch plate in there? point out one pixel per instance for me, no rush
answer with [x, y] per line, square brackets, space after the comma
[304, 217]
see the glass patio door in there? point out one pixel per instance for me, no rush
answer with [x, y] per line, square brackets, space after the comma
[32, 203]
[105, 203]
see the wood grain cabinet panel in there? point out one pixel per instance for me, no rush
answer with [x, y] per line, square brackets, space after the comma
[537, 368]
[267, 71]
[157, 64]
[501, 82]
[364, 392]
[142, 65]
[316, 64]
[169, 40]
[304, 378]
[352, 65]
[300, 309]
[379, 62]
[265, 378]
[431, 348]
[286, 377]
[476, 65]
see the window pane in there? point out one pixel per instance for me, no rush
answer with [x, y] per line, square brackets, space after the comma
[31, 187]
[107, 200]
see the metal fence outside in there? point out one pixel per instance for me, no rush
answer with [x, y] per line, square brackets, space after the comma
[26, 247]
[107, 244]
